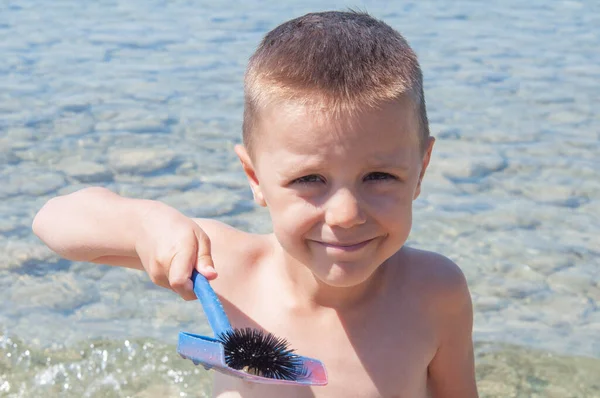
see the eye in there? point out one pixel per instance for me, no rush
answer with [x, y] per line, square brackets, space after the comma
[380, 176]
[309, 179]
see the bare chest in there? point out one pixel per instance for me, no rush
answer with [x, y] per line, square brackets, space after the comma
[383, 353]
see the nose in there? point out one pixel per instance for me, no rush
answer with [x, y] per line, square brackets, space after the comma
[343, 210]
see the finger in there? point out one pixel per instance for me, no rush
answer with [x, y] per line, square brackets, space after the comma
[204, 261]
[180, 272]
[156, 276]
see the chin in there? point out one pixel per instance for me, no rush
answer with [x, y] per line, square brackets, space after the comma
[344, 275]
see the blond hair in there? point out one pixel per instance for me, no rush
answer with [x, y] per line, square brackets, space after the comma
[340, 61]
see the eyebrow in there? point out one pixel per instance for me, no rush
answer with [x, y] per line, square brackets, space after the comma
[389, 160]
[312, 163]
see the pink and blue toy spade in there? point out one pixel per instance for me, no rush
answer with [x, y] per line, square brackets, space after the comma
[250, 354]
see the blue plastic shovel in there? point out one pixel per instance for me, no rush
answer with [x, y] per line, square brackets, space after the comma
[209, 352]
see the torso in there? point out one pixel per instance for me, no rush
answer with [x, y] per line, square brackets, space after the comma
[380, 349]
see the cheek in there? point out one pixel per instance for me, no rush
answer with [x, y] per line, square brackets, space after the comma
[390, 201]
[291, 217]
[393, 212]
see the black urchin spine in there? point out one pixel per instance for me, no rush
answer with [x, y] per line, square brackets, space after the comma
[261, 354]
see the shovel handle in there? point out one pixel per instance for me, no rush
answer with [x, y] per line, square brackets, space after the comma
[213, 309]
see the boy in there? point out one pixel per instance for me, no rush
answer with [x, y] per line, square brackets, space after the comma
[336, 144]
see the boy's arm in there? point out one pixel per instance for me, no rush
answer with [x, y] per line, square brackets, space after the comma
[97, 225]
[91, 225]
[452, 370]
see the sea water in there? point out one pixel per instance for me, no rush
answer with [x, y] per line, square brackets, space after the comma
[145, 98]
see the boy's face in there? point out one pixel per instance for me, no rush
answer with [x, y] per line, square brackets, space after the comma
[339, 192]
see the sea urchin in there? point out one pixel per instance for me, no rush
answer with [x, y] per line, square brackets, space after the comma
[261, 354]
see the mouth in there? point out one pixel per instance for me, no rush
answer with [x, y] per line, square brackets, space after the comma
[345, 246]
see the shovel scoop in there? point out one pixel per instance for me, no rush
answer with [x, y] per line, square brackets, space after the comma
[210, 353]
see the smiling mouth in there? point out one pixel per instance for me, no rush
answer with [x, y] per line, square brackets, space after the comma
[346, 247]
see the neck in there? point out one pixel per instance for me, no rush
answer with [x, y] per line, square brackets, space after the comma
[306, 291]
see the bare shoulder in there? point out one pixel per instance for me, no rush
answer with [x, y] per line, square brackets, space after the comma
[234, 251]
[227, 240]
[450, 312]
[221, 233]
[440, 278]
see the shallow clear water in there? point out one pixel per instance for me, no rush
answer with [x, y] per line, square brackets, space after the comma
[144, 97]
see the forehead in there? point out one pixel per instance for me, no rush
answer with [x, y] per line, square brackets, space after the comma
[310, 128]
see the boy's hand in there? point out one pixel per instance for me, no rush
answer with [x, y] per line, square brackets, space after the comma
[169, 246]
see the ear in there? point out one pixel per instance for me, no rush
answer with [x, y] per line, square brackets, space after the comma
[426, 158]
[250, 171]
